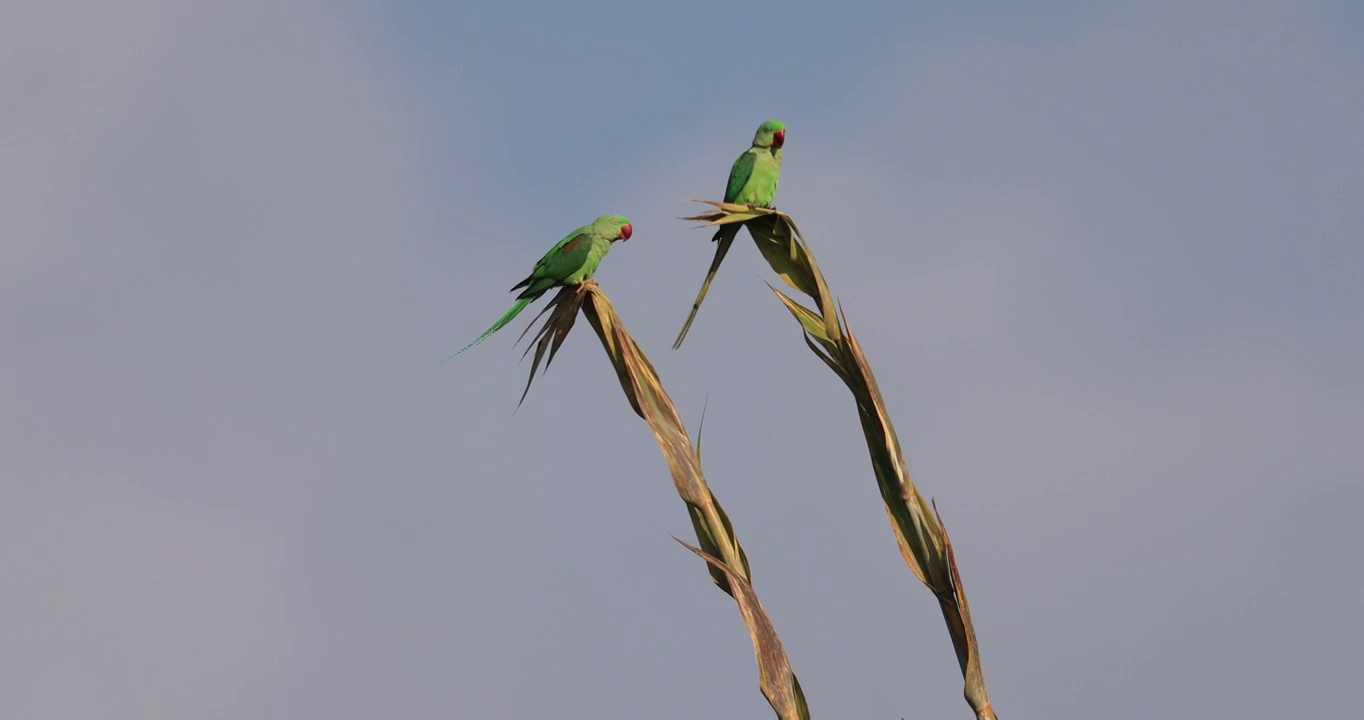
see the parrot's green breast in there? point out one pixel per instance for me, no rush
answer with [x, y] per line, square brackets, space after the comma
[595, 252]
[761, 188]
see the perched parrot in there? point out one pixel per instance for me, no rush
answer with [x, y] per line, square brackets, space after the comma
[752, 181]
[570, 262]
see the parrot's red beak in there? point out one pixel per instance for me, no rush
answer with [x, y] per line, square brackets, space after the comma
[778, 139]
[626, 231]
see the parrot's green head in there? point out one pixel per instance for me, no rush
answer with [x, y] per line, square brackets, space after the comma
[770, 134]
[616, 227]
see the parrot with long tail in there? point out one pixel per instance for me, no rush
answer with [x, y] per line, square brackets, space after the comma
[571, 261]
[752, 181]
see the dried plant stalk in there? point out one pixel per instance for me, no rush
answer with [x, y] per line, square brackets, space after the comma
[923, 541]
[724, 556]
[779, 685]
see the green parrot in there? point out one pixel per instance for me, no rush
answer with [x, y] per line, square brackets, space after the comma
[752, 181]
[570, 262]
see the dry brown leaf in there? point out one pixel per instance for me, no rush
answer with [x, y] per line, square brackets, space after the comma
[775, 678]
[923, 542]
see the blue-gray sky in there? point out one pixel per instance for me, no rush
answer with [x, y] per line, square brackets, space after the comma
[1106, 262]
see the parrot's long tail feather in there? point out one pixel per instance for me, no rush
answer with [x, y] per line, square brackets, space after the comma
[726, 237]
[512, 313]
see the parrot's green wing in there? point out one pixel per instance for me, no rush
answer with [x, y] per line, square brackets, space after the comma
[562, 260]
[739, 174]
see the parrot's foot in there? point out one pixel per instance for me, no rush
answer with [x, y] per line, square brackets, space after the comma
[589, 281]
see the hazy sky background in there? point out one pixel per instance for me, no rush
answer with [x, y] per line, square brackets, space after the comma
[1106, 263]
